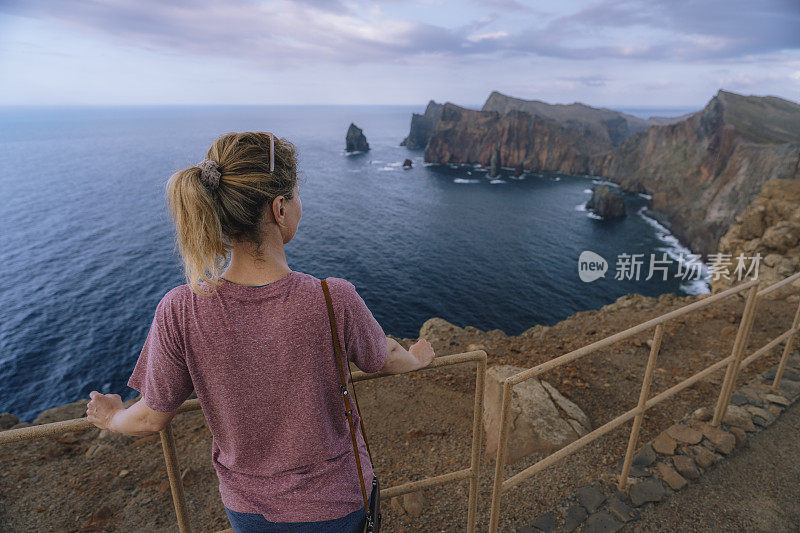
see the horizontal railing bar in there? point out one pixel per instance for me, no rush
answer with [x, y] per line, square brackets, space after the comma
[609, 426]
[421, 484]
[80, 424]
[444, 360]
[589, 348]
[572, 447]
[688, 382]
[767, 347]
[65, 426]
[778, 285]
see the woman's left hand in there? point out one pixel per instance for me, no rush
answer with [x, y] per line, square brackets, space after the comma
[102, 408]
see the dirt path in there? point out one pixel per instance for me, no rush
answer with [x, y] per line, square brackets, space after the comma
[757, 489]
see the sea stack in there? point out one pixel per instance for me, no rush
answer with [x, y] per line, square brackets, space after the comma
[407, 163]
[355, 139]
[606, 204]
[494, 162]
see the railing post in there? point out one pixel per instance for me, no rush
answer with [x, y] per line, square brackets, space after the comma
[643, 396]
[500, 461]
[175, 483]
[732, 373]
[787, 349]
[477, 440]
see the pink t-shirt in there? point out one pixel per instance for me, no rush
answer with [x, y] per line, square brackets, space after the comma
[262, 362]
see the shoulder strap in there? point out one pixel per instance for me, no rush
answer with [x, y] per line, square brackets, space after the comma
[347, 406]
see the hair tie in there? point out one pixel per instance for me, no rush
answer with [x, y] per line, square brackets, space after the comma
[209, 173]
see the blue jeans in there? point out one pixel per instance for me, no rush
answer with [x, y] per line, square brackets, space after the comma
[256, 523]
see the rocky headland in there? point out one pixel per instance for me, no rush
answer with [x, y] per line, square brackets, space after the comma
[702, 170]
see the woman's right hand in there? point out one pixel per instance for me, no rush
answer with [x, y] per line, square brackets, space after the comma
[422, 352]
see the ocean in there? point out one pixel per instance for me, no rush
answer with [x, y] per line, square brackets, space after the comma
[88, 247]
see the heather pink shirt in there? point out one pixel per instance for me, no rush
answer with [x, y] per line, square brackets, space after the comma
[262, 362]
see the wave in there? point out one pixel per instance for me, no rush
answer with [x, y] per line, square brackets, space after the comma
[495, 181]
[676, 250]
[465, 180]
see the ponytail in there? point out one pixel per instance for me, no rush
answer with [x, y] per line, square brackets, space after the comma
[207, 218]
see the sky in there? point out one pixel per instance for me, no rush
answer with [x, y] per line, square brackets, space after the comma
[607, 53]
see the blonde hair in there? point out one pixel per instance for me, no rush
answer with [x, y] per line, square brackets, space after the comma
[206, 218]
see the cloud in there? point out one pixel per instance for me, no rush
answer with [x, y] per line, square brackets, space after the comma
[288, 34]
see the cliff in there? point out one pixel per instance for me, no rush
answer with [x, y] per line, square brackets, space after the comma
[704, 171]
[770, 226]
[605, 126]
[422, 126]
[464, 135]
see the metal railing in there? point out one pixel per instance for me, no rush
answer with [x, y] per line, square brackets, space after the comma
[173, 470]
[734, 363]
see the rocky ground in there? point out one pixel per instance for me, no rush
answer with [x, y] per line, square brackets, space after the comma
[418, 425]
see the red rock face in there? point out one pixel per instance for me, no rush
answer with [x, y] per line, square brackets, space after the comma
[469, 136]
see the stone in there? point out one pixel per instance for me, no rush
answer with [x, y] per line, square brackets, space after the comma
[591, 498]
[774, 410]
[650, 490]
[723, 441]
[752, 396]
[790, 389]
[606, 204]
[60, 413]
[397, 505]
[536, 424]
[664, 444]
[684, 433]
[686, 466]
[671, 476]
[701, 455]
[739, 434]
[355, 141]
[622, 510]
[772, 398]
[761, 417]
[437, 329]
[704, 413]
[407, 163]
[635, 471]
[645, 456]
[7, 420]
[544, 522]
[739, 417]
[573, 411]
[574, 517]
[413, 503]
[601, 523]
[788, 373]
[738, 398]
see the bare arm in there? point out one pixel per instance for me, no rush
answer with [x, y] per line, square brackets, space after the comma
[400, 360]
[106, 411]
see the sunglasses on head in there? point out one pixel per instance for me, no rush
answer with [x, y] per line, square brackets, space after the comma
[271, 149]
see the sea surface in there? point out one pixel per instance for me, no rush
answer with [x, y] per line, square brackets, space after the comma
[88, 251]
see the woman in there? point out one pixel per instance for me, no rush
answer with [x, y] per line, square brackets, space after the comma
[255, 343]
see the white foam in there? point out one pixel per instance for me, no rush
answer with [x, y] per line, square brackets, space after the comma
[495, 181]
[674, 249]
[645, 196]
[605, 182]
[464, 180]
[580, 207]
[588, 191]
[556, 179]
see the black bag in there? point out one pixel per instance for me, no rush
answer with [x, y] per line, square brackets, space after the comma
[373, 521]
